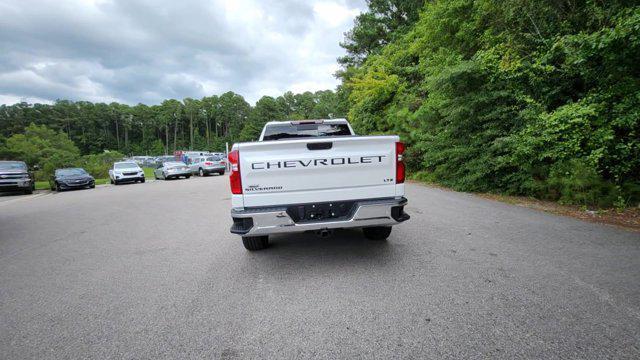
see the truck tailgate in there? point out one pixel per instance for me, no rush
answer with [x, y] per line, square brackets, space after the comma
[318, 169]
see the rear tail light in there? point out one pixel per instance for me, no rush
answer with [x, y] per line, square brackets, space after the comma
[234, 177]
[400, 173]
[208, 163]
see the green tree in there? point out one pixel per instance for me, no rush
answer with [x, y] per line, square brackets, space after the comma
[209, 110]
[192, 109]
[43, 147]
[232, 114]
[266, 109]
[373, 29]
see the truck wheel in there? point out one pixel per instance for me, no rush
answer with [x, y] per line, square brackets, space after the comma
[252, 243]
[377, 232]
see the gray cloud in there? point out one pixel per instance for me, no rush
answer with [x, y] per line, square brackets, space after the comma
[149, 50]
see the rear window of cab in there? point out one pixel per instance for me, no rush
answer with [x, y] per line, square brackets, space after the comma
[292, 131]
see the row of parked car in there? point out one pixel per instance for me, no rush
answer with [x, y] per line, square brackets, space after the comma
[166, 169]
[151, 161]
[16, 176]
[188, 157]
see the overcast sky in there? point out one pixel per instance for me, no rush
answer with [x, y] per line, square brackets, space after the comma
[146, 51]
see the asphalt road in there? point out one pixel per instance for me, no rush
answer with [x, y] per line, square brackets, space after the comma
[150, 271]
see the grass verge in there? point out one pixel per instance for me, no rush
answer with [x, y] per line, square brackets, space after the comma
[148, 173]
[44, 185]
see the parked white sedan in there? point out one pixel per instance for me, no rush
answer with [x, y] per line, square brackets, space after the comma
[172, 170]
[125, 171]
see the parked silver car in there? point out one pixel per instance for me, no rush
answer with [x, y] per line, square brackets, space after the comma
[209, 164]
[172, 170]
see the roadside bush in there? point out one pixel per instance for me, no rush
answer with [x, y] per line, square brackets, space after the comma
[98, 165]
[577, 182]
[413, 156]
[424, 176]
[42, 147]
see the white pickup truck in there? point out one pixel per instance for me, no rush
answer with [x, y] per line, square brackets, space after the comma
[315, 175]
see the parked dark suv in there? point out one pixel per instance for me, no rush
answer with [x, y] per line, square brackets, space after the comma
[15, 176]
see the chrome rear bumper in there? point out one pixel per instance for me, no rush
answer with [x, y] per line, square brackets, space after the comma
[273, 220]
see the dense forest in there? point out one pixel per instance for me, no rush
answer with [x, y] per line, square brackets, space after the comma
[202, 124]
[528, 97]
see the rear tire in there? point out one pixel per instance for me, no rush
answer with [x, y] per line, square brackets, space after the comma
[188, 176]
[377, 232]
[253, 243]
[201, 173]
[221, 172]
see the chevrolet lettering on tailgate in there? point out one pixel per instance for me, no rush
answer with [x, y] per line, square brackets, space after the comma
[337, 161]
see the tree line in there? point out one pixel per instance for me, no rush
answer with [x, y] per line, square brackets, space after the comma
[198, 124]
[527, 97]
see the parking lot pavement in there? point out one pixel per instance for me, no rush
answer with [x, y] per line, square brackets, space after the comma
[151, 271]
[10, 197]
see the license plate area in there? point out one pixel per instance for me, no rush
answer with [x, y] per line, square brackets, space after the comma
[326, 211]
